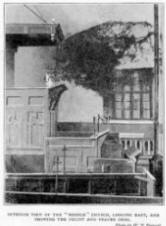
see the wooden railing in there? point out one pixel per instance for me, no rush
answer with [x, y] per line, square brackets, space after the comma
[136, 184]
[145, 145]
[150, 183]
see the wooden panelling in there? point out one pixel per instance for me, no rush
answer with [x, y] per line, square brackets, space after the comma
[26, 115]
[13, 100]
[33, 100]
[24, 163]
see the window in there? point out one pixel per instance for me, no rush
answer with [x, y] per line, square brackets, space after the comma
[130, 96]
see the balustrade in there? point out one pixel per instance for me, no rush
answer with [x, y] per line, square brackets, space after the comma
[145, 145]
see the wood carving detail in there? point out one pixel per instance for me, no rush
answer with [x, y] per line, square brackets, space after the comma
[54, 96]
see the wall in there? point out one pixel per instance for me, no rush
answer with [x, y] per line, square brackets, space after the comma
[76, 104]
[31, 64]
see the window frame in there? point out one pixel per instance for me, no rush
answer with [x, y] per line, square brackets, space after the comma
[110, 102]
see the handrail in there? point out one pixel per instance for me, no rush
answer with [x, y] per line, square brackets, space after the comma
[141, 178]
[150, 183]
[96, 137]
[8, 175]
[96, 121]
[100, 134]
[149, 192]
[149, 175]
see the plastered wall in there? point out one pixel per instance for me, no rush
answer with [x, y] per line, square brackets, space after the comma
[77, 104]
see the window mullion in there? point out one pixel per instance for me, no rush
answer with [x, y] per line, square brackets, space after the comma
[151, 107]
[141, 101]
[122, 103]
[113, 106]
[131, 100]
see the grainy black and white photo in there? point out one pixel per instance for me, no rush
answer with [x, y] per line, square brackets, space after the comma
[84, 103]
